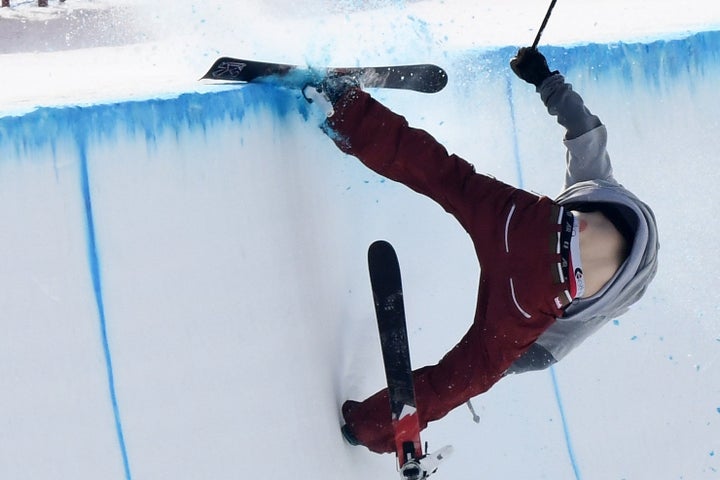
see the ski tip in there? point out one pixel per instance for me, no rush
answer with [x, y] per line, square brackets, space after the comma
[381, 249]
[209, 74]
[380, 244]
[221, 69]
[440, 83]
[430, 78]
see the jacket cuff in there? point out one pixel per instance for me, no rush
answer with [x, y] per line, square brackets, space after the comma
[536, 357]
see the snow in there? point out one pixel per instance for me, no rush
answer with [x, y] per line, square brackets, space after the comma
[184, 291]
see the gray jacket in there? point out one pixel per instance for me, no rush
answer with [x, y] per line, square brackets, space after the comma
[589, 179]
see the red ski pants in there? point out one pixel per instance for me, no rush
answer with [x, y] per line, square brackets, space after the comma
[520, 295]
[516, 239]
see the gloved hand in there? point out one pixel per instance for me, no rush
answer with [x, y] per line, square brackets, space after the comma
[328, 92]
[530, 65]
[315, 94]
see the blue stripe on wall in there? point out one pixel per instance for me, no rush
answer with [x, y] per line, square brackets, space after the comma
[644, 64]
[150, 119]
[94, 264]
[566, 429]
[647, 64]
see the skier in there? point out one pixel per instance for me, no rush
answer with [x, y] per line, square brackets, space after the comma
[552, 271]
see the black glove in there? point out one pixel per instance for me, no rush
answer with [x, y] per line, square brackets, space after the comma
[530, 65]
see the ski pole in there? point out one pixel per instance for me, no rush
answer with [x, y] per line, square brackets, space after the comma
[544, 23]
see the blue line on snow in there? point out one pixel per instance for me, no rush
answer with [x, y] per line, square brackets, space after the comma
[556, 386]
[516, 146]
[94, 264]
[566, 430]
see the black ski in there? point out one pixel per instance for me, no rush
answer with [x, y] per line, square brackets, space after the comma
[390, 310]
[425, 78]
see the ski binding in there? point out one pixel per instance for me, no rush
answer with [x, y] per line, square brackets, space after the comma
[423, 467]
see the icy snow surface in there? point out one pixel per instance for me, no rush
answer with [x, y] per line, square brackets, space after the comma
[183, 291]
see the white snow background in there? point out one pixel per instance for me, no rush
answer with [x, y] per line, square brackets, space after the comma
[183, 283]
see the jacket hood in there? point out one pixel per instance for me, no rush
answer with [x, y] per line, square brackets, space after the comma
[631, 280]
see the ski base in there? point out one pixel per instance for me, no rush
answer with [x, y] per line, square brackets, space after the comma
[386, 284]
[387, 290]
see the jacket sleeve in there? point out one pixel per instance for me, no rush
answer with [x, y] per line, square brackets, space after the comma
[385, 143]
[585, 138]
